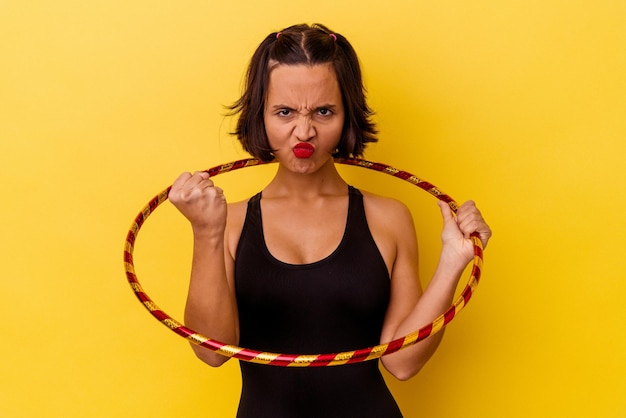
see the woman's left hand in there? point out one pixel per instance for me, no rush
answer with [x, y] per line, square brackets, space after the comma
[456, 232]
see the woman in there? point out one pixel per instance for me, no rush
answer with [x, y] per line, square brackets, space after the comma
[311, 264]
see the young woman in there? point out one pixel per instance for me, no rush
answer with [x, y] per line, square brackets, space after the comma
[311, 264]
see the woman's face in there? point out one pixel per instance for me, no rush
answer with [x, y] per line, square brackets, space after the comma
[303, 115]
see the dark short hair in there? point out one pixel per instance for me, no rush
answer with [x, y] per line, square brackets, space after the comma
[308, 45]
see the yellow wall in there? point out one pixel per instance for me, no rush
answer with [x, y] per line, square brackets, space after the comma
[519, 104]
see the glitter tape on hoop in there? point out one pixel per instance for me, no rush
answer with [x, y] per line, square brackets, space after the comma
[300, 360]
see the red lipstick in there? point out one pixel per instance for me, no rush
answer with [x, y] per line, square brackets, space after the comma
[303, 150]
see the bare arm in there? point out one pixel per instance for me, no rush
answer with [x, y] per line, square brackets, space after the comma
[211, 307]
[410, 308]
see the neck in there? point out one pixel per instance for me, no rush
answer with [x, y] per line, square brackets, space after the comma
[324, 181]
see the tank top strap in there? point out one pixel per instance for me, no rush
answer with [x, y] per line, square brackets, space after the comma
[357, 227]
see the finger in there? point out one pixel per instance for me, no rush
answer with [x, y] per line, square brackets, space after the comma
[197, 180]
[446, 212]
[200, 176]
[468, 227]
[220, 193]
[203, 174]
[467, 210]
[180, 180]
[205, 184]
[471, 220]
[485, 234]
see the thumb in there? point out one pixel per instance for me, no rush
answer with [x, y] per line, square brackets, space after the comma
[450, 232]
[446, 212]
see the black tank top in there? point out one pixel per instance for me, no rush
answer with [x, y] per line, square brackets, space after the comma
[335, 304]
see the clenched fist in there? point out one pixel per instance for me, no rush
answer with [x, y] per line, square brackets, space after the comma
[201, 202]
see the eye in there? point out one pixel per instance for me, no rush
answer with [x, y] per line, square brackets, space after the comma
[324, 111]
[284, 112]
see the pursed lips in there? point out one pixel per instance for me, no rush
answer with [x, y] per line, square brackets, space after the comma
[303, 150]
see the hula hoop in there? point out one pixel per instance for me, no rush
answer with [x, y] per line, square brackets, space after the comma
[303, 360]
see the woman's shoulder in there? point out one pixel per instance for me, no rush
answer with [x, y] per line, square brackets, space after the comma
[238, 208]
[379, 203]
[391, 225]
[236, 214]
[386, 210]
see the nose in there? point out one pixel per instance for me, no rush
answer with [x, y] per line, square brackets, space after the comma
[304, 129]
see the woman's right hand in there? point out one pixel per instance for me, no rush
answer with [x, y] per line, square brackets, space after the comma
[201, 202]
[211, 308]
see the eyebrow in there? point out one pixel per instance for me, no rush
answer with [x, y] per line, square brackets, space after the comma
[324, 106]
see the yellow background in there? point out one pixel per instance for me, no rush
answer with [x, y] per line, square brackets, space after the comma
[520, 105]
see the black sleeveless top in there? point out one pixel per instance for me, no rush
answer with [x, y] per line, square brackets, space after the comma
[335, 304]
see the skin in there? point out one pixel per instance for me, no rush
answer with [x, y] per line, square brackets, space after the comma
[304, 211]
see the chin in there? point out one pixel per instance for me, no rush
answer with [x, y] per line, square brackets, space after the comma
[304, 167]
